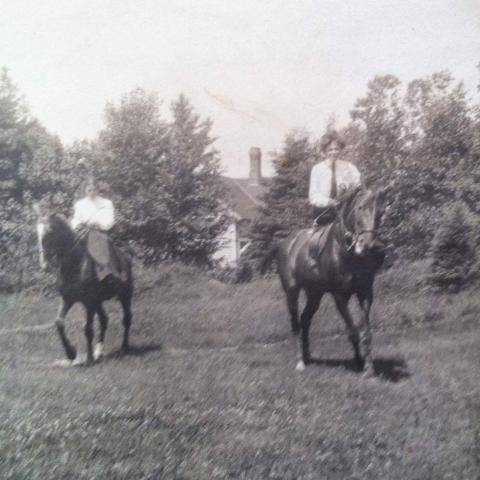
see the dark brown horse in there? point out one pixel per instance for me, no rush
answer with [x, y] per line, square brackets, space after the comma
[77, 282]
[344, 265]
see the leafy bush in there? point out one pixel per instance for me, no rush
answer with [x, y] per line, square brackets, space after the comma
[453, 249]
[242, 273]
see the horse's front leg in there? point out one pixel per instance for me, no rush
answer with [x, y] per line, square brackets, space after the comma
[365, 300]
[89, 334]
[103, 319]
[60, 325]
[303, 353]
[341, 301]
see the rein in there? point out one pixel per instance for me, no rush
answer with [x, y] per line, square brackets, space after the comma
[355, 235]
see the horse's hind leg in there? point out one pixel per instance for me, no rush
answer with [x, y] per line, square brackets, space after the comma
[126, 302]
[60, 324]
[341, 302]
[303, 352]
[103, 319]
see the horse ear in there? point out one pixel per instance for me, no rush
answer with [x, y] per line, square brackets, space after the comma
[42, 210]
[382, 193]
[38, 209]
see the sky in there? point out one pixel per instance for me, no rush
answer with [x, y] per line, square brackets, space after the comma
[258, 68]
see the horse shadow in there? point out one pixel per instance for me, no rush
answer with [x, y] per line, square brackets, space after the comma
[390, 369]
[134, 351]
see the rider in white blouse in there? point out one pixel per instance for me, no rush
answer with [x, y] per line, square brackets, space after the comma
[323, 192]
[96, 213]
[93, 210]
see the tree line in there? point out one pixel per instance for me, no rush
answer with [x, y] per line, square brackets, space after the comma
[421, 140]
[162, 174]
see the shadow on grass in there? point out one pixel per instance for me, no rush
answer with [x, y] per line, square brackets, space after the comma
[135, 351]
[389, 369]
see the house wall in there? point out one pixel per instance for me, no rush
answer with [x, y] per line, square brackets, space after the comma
[229, 251]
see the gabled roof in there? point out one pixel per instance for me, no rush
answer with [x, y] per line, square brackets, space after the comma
[244, 196]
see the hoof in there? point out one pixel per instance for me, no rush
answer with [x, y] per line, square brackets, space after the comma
[63, 362]
[368, 373]
[359, 363]
[80, 361]
[300, 366]
[98, 352]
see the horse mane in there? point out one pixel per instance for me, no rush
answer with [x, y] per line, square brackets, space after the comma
[59, 219]
[63, 232]
[347, 199]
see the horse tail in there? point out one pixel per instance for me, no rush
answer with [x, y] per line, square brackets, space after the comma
[267, 260]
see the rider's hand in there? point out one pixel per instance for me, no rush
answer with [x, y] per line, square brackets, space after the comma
[333, 203]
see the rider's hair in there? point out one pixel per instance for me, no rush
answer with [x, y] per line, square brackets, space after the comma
[330, 137]
[91, 181]
[101, 187]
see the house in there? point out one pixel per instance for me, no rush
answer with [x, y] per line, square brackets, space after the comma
[244, 200]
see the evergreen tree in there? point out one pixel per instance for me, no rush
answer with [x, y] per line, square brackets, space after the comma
[286, 206]
[164, 178]
[192, 190]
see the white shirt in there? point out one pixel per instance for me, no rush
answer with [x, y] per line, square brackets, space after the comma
[347, 176]
[98, 211]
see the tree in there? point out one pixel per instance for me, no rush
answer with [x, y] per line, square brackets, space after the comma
[127, 156]
[193, 194]
[31, 168]
[420, 145]
[13, 123]
[164, 176]
[286, 205]
[440, 121]
[380, 119]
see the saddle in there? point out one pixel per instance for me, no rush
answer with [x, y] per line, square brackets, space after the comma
[104, 260]
[321, 227]
[318, 239]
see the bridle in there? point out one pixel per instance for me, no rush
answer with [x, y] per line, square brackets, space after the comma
[353, 235]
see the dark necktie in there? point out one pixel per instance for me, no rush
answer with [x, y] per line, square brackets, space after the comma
[333, 182]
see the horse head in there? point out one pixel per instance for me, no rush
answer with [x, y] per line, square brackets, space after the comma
[55, 237]
[362, 210]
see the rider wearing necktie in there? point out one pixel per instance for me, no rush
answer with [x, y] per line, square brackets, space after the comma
[330, 178]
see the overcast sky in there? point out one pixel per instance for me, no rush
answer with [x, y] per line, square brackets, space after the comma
[258, 68]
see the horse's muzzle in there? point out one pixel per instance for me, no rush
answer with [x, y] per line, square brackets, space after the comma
[364, 244]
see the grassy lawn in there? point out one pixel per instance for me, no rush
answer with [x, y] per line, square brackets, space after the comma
[209, 390]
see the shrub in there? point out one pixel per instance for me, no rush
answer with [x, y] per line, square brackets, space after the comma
[242, 273]
[453, 249]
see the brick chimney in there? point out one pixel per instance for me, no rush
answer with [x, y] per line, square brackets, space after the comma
[255, 165]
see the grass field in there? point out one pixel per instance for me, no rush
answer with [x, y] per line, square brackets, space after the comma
[209, 390]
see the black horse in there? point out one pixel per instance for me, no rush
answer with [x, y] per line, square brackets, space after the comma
[77, 282]
[341, 259]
